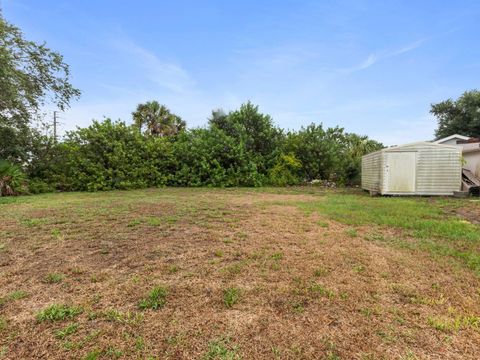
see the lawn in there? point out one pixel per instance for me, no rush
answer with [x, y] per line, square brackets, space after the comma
[295, 273]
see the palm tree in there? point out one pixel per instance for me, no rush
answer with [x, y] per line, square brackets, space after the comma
[11, 178]
[157, 120]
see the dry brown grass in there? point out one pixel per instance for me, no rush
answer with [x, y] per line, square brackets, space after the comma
[309, 287]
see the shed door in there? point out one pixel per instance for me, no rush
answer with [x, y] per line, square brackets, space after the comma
[401, 172]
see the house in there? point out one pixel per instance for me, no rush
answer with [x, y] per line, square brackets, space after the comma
[451, 140]
[470, 151]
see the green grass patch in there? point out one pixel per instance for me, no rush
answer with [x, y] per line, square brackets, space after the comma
[156, 299]
[15, 295]
[58, 313]
[459, 322]
[221, 349]
[154, 222]
[352, 233]
[53, 278]
[320, 290]
[231, 296]
[66, 331]
[423, 219]
[425, 225]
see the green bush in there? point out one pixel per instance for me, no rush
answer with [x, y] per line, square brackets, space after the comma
[241, 148]
[12, 179]
[286, 171]
[38, 186]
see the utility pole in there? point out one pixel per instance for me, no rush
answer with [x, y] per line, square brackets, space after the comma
[54, 126]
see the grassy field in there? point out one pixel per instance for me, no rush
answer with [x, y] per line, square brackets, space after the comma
[298, 273]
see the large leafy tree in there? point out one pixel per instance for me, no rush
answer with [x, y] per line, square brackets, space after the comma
[31, 76]
[461, 116]
[254, 130]
[157, 120]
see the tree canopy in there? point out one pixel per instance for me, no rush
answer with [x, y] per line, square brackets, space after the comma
[157, 120]
[31, 75]
[461, 116]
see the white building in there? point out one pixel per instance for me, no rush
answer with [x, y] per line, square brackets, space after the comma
[422, 168]
[470, 150]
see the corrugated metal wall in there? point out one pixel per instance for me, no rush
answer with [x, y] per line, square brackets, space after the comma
[438, 169]
[371, 171]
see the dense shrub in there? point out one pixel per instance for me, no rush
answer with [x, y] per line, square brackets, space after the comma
[210, 157]
[111, 155]
[286, 171]
[241, 148]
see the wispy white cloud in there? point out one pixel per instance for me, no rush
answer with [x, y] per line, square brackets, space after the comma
[369, 61]
[376, 57]
[407, 48]
[163, 73]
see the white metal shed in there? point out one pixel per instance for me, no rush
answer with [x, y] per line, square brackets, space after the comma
[421, 168]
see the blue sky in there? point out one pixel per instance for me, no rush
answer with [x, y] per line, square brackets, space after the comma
[372, 67]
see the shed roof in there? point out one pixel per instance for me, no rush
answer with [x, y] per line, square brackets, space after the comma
[419, 143]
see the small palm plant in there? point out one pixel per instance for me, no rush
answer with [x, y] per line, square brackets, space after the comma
[11, 178]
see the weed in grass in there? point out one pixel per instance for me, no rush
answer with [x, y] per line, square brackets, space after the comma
[3, 246]
[352, 233]
[277, 256]
[92, 355]
[374, 237]
[221, 349]
[154, 222]
[409, 355]
[33, 222]
[276, 352]
[171, 219]
[387, 336]
[323, 224]
[320, 272]
[233, 269]
[67, 331]
[3, 324]
[368, 312]
[319, 289]
[172, 269]
[122, 317]
[331, 355]
[139, 343]
[454, 324]
[133, 223]
[343, 295]
[15, 295]
[58, 312]
[56, 233]
[227, 241]
[156, 299]
[53, 278]
[218, 253]
[231, 296]
[359, 268]
[275, 266]
[112, 352]
[298, 306]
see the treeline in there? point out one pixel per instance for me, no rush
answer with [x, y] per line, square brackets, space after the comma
[241, 148]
